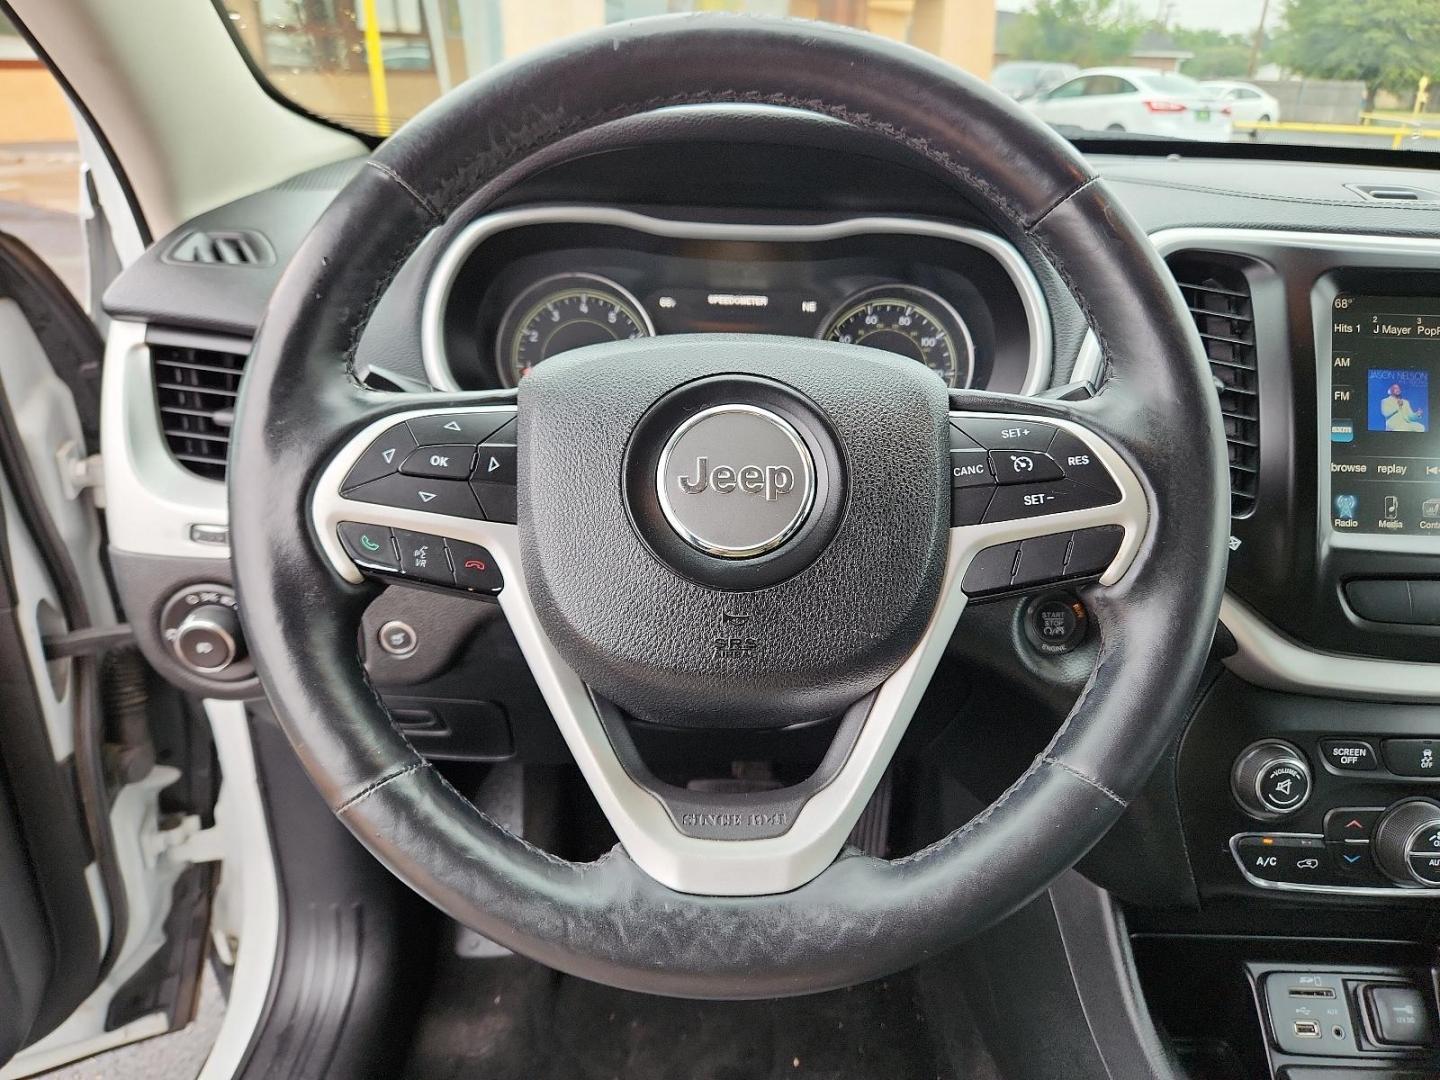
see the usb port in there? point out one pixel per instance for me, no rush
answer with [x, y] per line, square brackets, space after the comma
[1311, 992]
[1307, 1029]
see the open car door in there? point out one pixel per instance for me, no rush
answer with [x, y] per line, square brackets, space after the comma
[103, 905]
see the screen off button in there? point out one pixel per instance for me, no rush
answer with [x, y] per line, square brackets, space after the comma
[1349, 755]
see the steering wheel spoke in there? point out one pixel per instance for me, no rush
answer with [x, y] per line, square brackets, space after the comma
[426, 496]
[1038, 498]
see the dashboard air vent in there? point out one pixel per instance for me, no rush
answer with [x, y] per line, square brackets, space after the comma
[221, 249]
[195, 388]
[1218, 296]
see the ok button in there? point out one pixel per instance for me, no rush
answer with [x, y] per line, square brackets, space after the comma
[445, 462]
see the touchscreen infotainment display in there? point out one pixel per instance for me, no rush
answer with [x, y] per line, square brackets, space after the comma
[1384, 443]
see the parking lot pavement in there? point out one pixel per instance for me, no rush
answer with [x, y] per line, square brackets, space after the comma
[39, 195]
[178, 1056]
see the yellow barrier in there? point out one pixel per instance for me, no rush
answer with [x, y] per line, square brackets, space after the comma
[1398, 134]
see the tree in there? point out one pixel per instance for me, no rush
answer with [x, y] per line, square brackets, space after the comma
[1386, 44]
[1217, 55]
[1083, 32]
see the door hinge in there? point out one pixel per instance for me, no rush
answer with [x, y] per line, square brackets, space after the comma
[188, 842]
[80, 473]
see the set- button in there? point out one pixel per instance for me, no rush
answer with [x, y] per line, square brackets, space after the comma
[417, 556]
[456, 464]
[1004, 470]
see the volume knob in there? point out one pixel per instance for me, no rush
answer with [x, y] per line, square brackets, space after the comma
[1271, 780]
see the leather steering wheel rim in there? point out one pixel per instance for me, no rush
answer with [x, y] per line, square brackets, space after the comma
[608, 920]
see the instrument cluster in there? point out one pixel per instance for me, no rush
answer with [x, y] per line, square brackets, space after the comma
[969, 310]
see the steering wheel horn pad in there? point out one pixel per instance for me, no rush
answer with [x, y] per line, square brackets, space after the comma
[700, 915]
[830, 615]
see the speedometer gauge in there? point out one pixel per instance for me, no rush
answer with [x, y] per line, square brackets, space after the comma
[907, 321]
[563, 313]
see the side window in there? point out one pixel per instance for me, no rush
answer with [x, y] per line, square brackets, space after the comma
[39, 162]
[1108, 84]
[1072, 89]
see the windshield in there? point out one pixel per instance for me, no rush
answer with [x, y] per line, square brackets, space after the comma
[1352, 73]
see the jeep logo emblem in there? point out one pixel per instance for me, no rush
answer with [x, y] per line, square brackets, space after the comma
[731, 450]
[769, 483]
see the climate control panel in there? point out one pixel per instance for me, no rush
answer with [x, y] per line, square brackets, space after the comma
[1296, 795]
[1362, 848]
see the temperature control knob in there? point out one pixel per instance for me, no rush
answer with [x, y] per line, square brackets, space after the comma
[1407, 843]
[1271, 780]
[208, 639]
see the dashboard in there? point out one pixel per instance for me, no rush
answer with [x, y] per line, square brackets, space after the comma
[520, 287]
[1287, 813]
[1311, 303]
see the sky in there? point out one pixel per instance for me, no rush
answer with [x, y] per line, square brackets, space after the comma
[1229, 16]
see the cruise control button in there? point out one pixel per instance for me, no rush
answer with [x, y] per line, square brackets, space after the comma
[967, 505]
[469, 428]
[1093, 550]
[1033, 500]
[497, 500]
[452, 497]
[474, 567]
[422, 557]
[381, 458]
[1412, 757]
[1294, 860]
[1042, 558]
[371, 546]
[1022, 466]
[970, 468]
[1349, 755]
[444, 461]
[1080, 464]
[1007, 434]
[495, 464]
[1351, 823]
[991, 569]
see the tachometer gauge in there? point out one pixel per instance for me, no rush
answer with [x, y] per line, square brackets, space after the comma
[563, 313]
[907, 321]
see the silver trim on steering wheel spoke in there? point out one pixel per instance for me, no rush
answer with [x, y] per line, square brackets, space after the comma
[641, 822]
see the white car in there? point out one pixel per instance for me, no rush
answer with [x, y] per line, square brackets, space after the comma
[1248, 104]
[1138, 101]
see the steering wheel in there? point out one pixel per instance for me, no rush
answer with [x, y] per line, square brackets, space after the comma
[727, 532]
